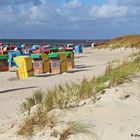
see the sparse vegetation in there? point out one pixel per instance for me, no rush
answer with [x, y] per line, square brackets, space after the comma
[124, 41]
[116, 76]
[34, 100]
[74, 128]
[59, 97]
[127, 40]
[26, 129]
[37, 121]
[85, 89]
[62, 96]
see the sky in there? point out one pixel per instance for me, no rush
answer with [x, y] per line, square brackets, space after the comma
[68, 19]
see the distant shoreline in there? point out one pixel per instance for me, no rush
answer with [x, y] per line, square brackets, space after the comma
[54, 42]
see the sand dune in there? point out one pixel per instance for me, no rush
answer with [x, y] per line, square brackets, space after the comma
[115, 116]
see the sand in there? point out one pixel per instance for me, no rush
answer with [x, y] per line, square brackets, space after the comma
[112, 117]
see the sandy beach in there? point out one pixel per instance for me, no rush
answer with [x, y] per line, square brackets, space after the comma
[113, 117]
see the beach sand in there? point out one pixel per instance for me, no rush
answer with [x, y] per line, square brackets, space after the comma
[113, 117]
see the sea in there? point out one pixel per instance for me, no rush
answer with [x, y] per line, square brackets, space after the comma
[53, 42]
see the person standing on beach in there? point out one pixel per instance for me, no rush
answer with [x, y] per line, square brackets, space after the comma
[132, 47]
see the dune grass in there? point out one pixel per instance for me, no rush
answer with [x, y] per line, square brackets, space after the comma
[128, 39]
[124, 41]
[116, 76]
[74, 128]
[36, 122]
[30, 102]
[61, 97]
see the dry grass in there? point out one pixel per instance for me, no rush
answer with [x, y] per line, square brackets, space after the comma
[36, 123]
[30, 102]
[86, 89]
[124, 41]
[62, 96]
[135, 39]
[116, 76]
[26, 129]
[74, 128]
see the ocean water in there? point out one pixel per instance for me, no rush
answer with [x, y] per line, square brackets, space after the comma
[53, 42]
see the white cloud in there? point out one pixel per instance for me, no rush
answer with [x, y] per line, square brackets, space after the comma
[72, 11]
[70, 16]
[108, 11]
[19, 2]
[124, 2]
[73, 4]
[7, 15]
[44, 13]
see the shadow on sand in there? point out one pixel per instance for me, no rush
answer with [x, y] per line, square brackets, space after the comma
[83, 66]
[80, 70]
[77, 57]
[45, 75]
[15, 89]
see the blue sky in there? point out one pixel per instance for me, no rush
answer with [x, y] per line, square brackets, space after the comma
[88, 2]
[69, 19]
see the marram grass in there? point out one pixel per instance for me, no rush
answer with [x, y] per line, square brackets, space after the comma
[62, 96]
[74, 128]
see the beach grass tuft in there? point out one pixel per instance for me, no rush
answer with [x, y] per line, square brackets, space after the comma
[30, 102]
[74, 128]
[124, 41]
[62, 96]
[36, 122]
[85, 89]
